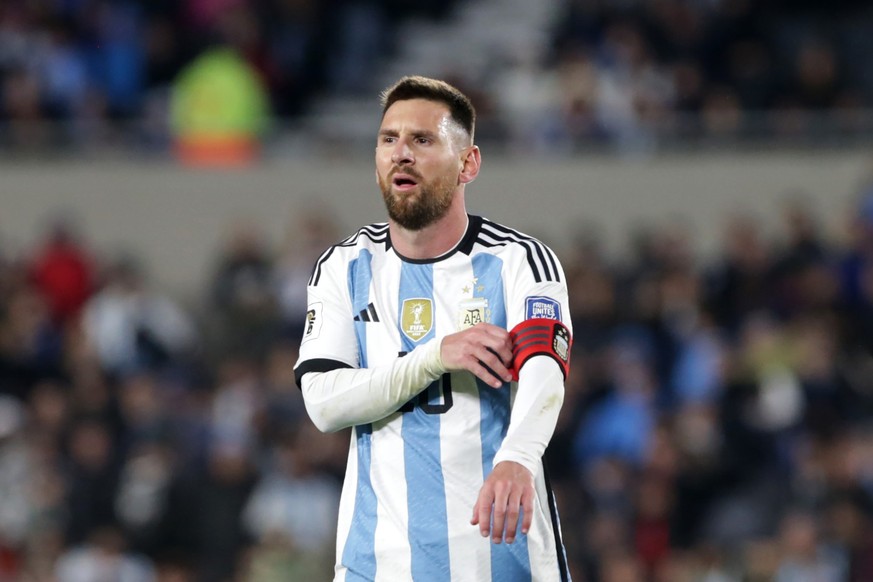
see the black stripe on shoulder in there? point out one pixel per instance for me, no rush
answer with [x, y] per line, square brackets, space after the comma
[541, 259]
[316, 365]
[378, 233]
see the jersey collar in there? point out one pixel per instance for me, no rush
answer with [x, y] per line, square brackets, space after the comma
[465, 245]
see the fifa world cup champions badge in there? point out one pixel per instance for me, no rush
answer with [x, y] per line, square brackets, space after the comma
[416, 319]
[472, 311]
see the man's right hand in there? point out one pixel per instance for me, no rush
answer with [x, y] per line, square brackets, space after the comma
[485, 350]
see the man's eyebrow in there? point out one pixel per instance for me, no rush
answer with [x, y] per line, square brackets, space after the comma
[432, 135]
[427, 133]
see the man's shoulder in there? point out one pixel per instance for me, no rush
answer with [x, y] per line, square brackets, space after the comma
[519, 247]
[493, 234]
[374, 234]
[372, 237]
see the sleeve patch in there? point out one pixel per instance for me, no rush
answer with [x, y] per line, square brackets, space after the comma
[539, 307]
[313, 322]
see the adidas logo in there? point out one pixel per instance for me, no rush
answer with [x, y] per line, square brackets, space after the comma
[368, 314]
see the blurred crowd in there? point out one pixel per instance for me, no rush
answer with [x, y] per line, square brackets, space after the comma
[633, 73]
[620, 72]
[148, 438]
[716, 426]
[74, 71]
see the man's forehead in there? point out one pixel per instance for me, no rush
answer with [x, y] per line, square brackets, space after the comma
[422, 109]
[421, 115]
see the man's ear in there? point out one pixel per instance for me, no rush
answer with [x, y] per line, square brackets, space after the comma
[470, 164]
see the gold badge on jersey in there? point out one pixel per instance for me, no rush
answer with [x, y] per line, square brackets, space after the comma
[417, 318]
[472, 311]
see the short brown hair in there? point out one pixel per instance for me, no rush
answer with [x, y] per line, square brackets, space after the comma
[417, 87]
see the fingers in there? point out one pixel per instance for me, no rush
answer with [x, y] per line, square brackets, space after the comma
[500, 514]
[482, 512]
[500, 345]
[527, 501]
[493, 373]
[512, 509]
[498, 508]
[484, 350]
[483, 516]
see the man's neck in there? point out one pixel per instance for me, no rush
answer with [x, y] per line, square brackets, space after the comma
[432, 241]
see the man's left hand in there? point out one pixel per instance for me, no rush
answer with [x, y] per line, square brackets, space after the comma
[508, 490]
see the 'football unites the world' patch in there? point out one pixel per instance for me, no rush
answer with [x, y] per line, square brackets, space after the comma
[539, 307]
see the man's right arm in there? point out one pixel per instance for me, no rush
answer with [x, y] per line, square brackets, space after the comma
[352, 396]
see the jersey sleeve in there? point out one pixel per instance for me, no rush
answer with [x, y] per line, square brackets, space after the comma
[538, 319]
[329, 340]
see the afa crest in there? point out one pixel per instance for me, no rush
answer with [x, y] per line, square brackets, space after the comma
[473, 311]
[416, 318]
[561, 343]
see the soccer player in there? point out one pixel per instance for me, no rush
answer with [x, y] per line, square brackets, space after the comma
[443, 338]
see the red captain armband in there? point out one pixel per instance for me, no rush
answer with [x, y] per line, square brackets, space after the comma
[540, 336]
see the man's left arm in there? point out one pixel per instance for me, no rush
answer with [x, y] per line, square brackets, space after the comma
[542, 336]
[508, 490]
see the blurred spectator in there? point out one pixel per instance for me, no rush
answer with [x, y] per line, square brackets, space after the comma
[309, 232]
[282, 407]
[92, 479]
[142, 494]
[15, 474]
[850, 529]
[238, 400]
[63, 270]
[103, 557]
[203, 516]
[620, 424]
[806, 558]
[131, 325]
[242, 293]
[739, 283]
[294, 500]
[31, 346]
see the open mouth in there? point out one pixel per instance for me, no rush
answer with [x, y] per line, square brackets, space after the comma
[404, 181]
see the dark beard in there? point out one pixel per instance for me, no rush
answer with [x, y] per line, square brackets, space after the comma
[431, 203]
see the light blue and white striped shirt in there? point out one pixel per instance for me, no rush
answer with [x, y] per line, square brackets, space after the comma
[409, 489]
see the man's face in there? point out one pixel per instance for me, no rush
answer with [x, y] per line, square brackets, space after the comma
[418, 162]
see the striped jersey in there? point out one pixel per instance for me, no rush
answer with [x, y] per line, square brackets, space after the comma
[413, 477]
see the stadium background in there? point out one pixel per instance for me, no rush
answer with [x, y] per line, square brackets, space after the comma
[702, 167]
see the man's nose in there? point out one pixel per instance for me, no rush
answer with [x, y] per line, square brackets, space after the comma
[402, 153]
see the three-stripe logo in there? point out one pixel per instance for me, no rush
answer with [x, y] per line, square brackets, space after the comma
[368, 315]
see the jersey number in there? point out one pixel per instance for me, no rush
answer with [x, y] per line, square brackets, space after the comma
[423, 400]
